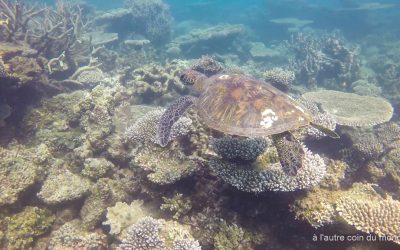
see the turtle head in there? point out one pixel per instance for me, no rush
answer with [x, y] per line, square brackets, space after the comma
[195, 78]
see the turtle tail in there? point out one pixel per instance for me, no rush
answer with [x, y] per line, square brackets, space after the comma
[170, 116]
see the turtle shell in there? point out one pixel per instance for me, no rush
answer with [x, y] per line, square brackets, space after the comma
[241, 105]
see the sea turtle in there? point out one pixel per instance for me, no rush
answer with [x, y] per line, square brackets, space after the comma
[237, 104]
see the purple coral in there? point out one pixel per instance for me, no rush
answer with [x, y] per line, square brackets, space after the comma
[170, 116]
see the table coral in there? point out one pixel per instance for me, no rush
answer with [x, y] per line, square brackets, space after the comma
[351, 109]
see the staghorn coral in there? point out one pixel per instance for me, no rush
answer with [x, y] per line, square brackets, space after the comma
[62, 186]
[122, 215]
[178, 205]
[230, 148]
[72, 235]
[280, 78]
[18, 171]
[24, 227]
[145, 128]
[351, 109]
[264, 175]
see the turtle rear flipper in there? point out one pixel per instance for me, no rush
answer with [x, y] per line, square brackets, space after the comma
[170, 116]
[290, 151]
[326, 131]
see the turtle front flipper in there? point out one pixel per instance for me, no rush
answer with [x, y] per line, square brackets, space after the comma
[290, 151]
[170, 116]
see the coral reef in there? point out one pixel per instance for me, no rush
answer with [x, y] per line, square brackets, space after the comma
[149, 233]
[323, 61]
[145, 128]
[71, 235]
[230, 148]
[178, 205]
[279, 78]
[22, 228]
[351, 109]
[122, 215]
[381, 218]
[264, 175]
[19, 170]
[96, 168]
[63, 186]
[165, 166]
[215, 38]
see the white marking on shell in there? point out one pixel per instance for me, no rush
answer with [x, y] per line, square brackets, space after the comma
[301, 119]
[300, 108]
[224, 77]
[268, 118]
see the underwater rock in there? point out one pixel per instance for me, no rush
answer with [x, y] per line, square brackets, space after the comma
[24, 227]
[62, 186]
[351, 109]
[18, 171]
[72, 235]
[267, 174]
[122, 215]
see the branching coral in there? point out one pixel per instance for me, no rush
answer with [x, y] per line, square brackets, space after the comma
[230, 148]
[149, 233]
[144, 130]
[72, 235]
[379, 217]
[352, 109]
[178, 205]
[264, 175]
